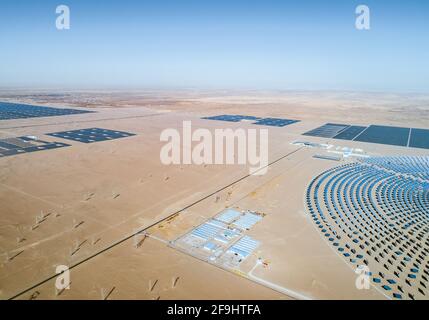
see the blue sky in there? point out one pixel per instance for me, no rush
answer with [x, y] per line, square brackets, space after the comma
[216, 44]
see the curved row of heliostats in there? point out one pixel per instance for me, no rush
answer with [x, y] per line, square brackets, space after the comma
[375, 212]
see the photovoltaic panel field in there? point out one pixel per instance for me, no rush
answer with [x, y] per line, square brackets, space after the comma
[273, 122]
[388, 135]
[10, 111]
[91, 135]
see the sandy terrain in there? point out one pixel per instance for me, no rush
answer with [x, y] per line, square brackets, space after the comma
[80, 205]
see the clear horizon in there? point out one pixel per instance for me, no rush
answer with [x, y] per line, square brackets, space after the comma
[266, 45]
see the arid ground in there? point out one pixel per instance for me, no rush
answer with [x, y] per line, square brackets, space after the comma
[112, 212]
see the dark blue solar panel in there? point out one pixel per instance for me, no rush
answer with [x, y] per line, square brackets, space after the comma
[11, 152]
[26, 145]
[10, 111]
[419, 138]
[48, 146]
[385, 135]
[275, 122]
[328, 130]
[91, 135]
[398, 136]
[350, 133]
[231, 118]
[5, 145]
[249, 118]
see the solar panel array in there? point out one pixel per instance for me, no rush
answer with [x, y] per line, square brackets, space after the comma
[20, 145]
[228, 215]
[373, 218]
[396, 136]
[231, 118]
[206, 231]
[385, 135]
[223, 237]
[350, 133]
[419, 138]
[91, 135]
[226, 235]
[9, 111]
[273, 122]
[245, 246]
[328, 130]
[247, 220]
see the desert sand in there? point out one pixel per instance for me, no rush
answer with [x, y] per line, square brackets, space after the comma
[82, 205]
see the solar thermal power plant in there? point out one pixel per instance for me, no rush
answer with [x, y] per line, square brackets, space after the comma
[273, 122]
[226, 151]
[118, 216]
[91, 135]
[388, 135]
[10, 111]
[375, 213]
[20, 145]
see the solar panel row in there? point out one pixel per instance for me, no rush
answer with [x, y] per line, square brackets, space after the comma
[206, 231]
[274, 122]
[230, 118]
[396, 136]
[247, 221]
[25, 144]
[228, 215]
[328, 130]
[9, 111]
[419, 138]
[91, 135]
[14, 146]
[244, 247]
[350, 133]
